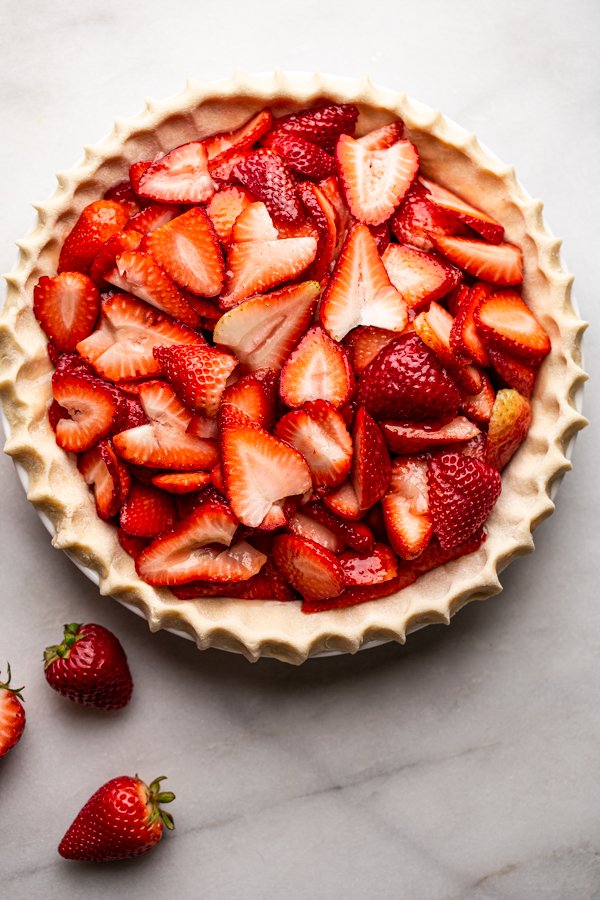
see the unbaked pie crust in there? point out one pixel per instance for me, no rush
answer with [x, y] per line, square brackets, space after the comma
[449, 155]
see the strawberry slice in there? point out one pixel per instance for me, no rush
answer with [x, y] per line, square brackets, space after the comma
[475, 218]
[371, 467]
[107, 475]
[153, 216]
[66, 306]
[406, 507]
[312, 570]
[317, 369]
[254, 224]
[475, 447]
[321, 125]
[513, 372]
[359, 291]
[255, 394]
[458, 296]
[255, 266]
[181, 482]
[412, 438]
[264, 330]
[435, 555]
[381, 235]
[131, 545]
[323, 215]
[509, 424]
[180, 176]
[364, 343]
[222, 168]
[239, 139]
[147, 511]
[138, 274]
[198, 374]
[434, 327]
[265, 585]
[384, 137]
[351, 596]
[375, 181]
[304, 157]
[319, 433]
[331, 190]
[405, 381]
[418, 276]
[224, 208]
[266, 175]
[462, 493]
[500, 263]
[186, 553]
[306, 527]
[136, 170]
[121, 347]
[93, 410]
[123, 193]
[376, 567]
[478, 407]
[259, 470]
[464, 338]
[188, 249]
[96, 224]
[343, 502]
[355, 534]
[202, 426]
[217, 479]
[508, 324]
[418, 218]
[106, 258]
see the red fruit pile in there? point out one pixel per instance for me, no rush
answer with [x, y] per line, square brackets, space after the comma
[290, 364]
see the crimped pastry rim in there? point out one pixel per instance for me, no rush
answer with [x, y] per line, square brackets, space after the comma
[266, 628]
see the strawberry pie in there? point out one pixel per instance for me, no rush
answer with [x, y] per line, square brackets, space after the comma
[292, 360]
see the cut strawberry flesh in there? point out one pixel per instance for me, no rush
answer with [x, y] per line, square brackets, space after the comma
[418, 276]
[310, 569]
[500, 263]
[317, 369]
[307, 527]
[475, 218]
[66, 307]
[376, 567]
[412, 438]
[187, 248]
[180, 176]
[508, 324]
[138, 274]
[92, 409]
[255, 266]
[319, 433]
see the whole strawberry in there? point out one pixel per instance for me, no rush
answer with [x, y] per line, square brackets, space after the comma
[12, 715]
[121, 820]
[89, 667]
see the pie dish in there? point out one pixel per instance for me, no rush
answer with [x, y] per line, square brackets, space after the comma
[255, 628]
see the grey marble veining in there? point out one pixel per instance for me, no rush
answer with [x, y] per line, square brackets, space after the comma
[463, 766]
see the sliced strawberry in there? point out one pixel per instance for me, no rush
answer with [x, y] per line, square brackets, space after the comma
[351, 596]
[364, 343]
[265, 585]
[121, 348]
[406, 507]
[254, 223]
[147, 511]
[123, 193]
[355, 534]
[475, 447]
[106, 474]
[509, 424]
[255, 395]
[202, 426]
[66, 306]
[320, 124]
[513, 372]
[478, 407]
[266, 175]
[434, 327]
[319, 433]
[383, 137]
[96, 224]
[344, 502]
[153, 216]
[435, 555]
[188, 250]
[264, 330]
[187, 552]
[418, 218]
[217, 479]
[92, 407]
[370, 473]
[317, 369]
[455, 299]
[508, 324]
[241, 138]
[382, 236]
[132, 414]
[312, 570]
[359, 291]
[198, 374]
[479, 221]
[106, 258]
[136, 170]
[331, 190]
[307, 527]
[375, 181]
[304, 157]
[222, 168]
[131, 545]
[181, 482]
[464, 338]
[405, 381]
[259, 470]
[180, 176]
[224, 208]
[255, 266]
[418, 276]
[376, 567]
[413, 437]
[462, 493]
[323, 215]
[138, 274]
[500, 263]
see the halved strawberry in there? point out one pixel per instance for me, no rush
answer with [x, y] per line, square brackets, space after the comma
[320, 124]
[153, 216]
[266, 175]
[462, 493]
[412, 437]
[187, 552]
[323, 215]
[344, 502]
[123, 193]
[92, 407]
[359, 291]
[181, 482]
[106, 258]
[418, 276]
[434, 327]
[240, 138]
[255, 394]
[406, 381]
[417, 218]
[304, 157]
[475, 218]
[66, 306]
[107, 475]
[371, 468]
[138, 274]
[147, 511]
[383, 137]
[509, 424]
[355, 534]
[121, 347]
[264, 330]
[406, 513]
[317, 369]
[180, 176]
[224, 208]
[95, 225]
[131, 545]
[508, 324]
[305, 526]
[188, 249]
[267, 584]
[198, 374]
[500, 263]
[222, 167]
[331, 190]
[375, 181]
[464, 338]
[311, 569]
[319, 433]
[254, 223]
[364, 343]
[260, 471]
[375, 567]
[478, 407]
[513, 372]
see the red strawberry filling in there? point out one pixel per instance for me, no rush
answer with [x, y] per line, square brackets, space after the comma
[300, 388]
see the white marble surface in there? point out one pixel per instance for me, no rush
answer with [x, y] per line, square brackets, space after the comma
[464, 765]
